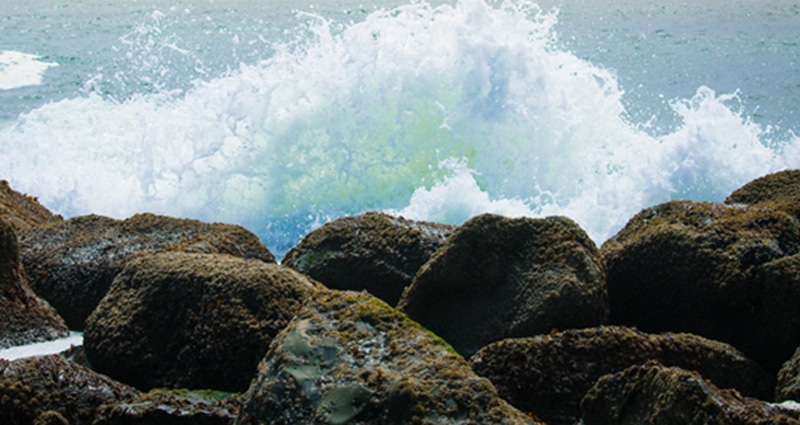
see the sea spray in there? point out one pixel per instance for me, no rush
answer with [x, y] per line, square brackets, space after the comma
[436, 113]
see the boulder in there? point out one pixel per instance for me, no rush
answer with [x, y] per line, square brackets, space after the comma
[779, 191]
[712, 270]
[350, 358]
[198, 321]
[374, 252]
[71, 264]
[548, 375]
[25, 317]
[53, 390]
[788, 386]
[655, 394]
[23, 211]
[498, 277]
[173, 407]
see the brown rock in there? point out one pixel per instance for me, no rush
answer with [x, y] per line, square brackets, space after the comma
[196, 321]
[780, 191]
[23, 211]
[788, 387]
[72, 264]
[374, 252]
[173, 407]
[498, 277]
[548, 375]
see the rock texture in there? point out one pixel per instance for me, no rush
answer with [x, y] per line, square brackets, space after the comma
[779, 191]
[53, 390]
[350, 358]
[714, 270]
[654, 394]
[548, 375]
[497, 277]
[72, 264]
[23, 211]
[788, 386]
[24, 317]
[374, 252]
[177, 407]
[181, 320]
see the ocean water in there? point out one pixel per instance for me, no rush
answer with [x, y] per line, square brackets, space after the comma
[280, 116]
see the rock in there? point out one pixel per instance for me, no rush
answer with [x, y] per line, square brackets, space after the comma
[25, 317]
[374, 252]
[23, 211]
[708, 269]
[788, 386]
[655, 394]
[350, 358]
[173, 407]
[548, 375]
[498, 277]
[72, 264]
[779, 191]
[199, 321]
[53, 390]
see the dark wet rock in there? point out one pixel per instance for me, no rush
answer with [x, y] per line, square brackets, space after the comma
[779, 191]
[72, 264]
[548, 375]
[50, 388]
[498, 277]
[655, 394]
[714, 270]
[374, 252]
[173, 407]
[23, 211]
[179, 320]
[24, 317]
[788, 386]
[351, 358]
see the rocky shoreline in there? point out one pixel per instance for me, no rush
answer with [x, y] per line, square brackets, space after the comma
[688, 315]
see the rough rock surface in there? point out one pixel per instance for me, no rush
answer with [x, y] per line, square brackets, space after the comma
[714, 270]
[204, 321]
[779, 190]
[788, 386]
[50, 388]
[350, 358]
[548, 375]
[24, 317]
[71, 264]
[655, 394]
[173, 407]
[374, 252]
[498, 277]
[23, 211]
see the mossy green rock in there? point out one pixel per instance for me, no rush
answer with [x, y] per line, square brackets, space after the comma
[181, 320]
[24, 317]
[655, 394]
[548, 375]
[71, 264]
[173, 407]
[779, 191]
[50, 388]
[349, 358]
[373, 251]
[712, 270]
[498, 277]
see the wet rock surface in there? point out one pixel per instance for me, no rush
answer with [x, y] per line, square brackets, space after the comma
[788, 386]
[655, 394]
[181, 320]
[497, 277]
[548, 375]
[373, 251]
[779, 191]
[23, 211]
[173, 407]
[350, 358]
[51, 390]
[715, 270]
[71, 264]
[24, 317]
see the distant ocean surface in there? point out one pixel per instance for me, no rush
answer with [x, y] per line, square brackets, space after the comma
[282, 115]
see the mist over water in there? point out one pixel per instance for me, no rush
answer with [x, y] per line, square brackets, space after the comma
[433, 112]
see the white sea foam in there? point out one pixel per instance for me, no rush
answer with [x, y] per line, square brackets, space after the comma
[19, 69]
[437, 113]
[43, 348]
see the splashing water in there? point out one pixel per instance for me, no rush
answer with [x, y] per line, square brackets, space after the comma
[435, 113]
